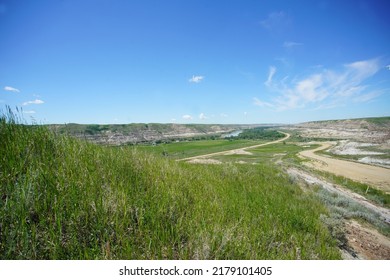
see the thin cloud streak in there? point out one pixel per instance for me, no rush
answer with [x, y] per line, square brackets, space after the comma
[12, 89]
[196, 79]
[187, 117]
[36, 101]
[271, 73]
[260, 103]
[29, 112]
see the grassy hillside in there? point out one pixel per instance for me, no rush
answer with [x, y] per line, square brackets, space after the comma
[379, 121]
[61, 198]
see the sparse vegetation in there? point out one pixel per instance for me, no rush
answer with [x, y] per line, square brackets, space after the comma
[345, 208]
[375, 195]
[62, 198]
[382, 121]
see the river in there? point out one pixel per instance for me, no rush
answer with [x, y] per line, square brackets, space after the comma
[232, 134]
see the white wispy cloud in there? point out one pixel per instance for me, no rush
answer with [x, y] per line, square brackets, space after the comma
[196, 79]
[388, 67]
[12, 89]
[290, 44]
[260, 103]
[223, 115]
[367, 97]
[187, 117]
[36, 101]
[202, 116]
[324, 89]
[271, 73]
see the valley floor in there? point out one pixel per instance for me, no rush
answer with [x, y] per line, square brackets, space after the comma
[363, 241]
[235, 151]
[62, 198]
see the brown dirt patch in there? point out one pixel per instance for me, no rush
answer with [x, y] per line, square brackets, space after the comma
[205, 161]
[238, 152]
[367, 243]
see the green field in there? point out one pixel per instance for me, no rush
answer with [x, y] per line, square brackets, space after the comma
[274, 153]
[184, 149]
[63, 198]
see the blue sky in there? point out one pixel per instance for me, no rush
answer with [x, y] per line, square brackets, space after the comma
[244, 61]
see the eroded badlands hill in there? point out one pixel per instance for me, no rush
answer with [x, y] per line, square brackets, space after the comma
[375, 130]
[119, 134]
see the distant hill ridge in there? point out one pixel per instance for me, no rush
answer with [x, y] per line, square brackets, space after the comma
[119, 134]
[373, 130]
[359, 123]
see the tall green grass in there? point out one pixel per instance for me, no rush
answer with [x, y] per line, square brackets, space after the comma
[61, 198]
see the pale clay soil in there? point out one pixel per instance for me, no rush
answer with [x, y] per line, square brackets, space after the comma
[238, 152]
[204, 161]
[347, 147]
[375, 161]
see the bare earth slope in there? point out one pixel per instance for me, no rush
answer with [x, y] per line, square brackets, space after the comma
[376, 130]
[367, 242]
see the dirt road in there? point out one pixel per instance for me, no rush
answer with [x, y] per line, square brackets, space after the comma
[236, 151]
[372, 175]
